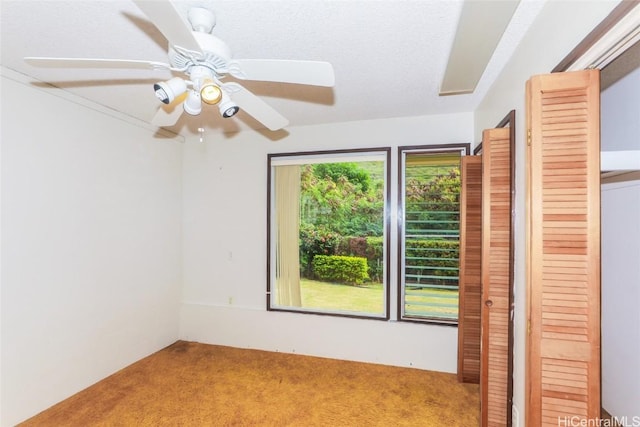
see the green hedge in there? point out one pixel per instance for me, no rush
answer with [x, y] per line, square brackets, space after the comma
[365, 247]
[443, 253]
[314, 242]
[341, 269]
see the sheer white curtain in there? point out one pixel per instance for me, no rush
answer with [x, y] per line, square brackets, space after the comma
[287, 190]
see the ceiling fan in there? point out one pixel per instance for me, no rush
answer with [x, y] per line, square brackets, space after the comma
[206, 61]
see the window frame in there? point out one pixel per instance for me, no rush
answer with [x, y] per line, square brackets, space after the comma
[386, 152]
[464, 149]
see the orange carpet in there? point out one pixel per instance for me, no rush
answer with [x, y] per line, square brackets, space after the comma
[191, 384]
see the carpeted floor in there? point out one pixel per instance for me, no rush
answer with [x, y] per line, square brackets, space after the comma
[191, 384]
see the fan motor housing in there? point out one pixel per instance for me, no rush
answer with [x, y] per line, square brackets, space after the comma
[216, 54]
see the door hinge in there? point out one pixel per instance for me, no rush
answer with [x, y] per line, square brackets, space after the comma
[528, 327]
[529, 137]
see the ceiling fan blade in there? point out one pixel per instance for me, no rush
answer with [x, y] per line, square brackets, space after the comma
[167, 19]
[94, 63]
[256, 107]
[315, 73]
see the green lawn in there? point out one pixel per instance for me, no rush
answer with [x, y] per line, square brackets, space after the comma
[432, 303]
[333, 296]
[369, 298]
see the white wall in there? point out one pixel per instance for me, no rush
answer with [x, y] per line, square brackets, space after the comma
[91, 241]
[224, 256]
[559, 27]
[621, 298]
[620, 112]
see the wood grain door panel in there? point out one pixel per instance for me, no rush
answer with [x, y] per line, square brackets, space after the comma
[563, 248]
[470, 298]
[496, 282]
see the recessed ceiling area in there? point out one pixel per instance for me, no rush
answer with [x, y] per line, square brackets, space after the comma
[479, 31]
[389, 57]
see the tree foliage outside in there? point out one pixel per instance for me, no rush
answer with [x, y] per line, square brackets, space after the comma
[433, 194]
[342, 210]
[432, 198]
[439, 187]
[342, 198]
[341, 204]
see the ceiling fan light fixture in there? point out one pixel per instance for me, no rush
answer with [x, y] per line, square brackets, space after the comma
[211, 93]
[228, 108]
[169, 90]
[193, 105]
[205, 59]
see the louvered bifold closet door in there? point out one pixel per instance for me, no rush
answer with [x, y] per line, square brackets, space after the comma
[470, 269]
[496, 238]
[563, 243]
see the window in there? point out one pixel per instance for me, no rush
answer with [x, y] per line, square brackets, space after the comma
[327, 233]
[429, 233]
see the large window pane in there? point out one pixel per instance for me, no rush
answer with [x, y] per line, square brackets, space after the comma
[430, 234]
[327, 233]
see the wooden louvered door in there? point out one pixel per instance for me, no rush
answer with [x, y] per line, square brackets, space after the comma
[563, 249]
[496, 283]
[470, 269]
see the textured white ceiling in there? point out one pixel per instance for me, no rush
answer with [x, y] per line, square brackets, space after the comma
[389, 56]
